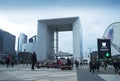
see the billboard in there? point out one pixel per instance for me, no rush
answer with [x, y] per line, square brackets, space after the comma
[104, 48]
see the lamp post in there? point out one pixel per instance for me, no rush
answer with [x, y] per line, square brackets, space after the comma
[90, 56]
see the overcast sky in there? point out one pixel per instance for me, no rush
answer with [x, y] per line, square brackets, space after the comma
[18, 16]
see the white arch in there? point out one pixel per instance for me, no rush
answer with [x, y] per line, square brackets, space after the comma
[45, 35]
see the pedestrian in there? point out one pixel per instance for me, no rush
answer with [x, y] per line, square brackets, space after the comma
[76, 63]
[115, 65]
[92, 66]
[119, 67]
[97, 66]
[105, 65]
[8, 58]
[69, 63]
[33, 60]
[12, 63]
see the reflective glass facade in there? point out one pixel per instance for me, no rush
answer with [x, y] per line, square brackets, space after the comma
[22, 39]
[7, 43]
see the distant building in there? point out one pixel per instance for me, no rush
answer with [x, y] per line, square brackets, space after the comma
[30, 46]
[7, 44]
[32, 39]
[22, 39]
[26, 48]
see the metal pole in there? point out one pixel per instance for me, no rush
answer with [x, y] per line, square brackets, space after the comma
[90, 54]
[56, 40]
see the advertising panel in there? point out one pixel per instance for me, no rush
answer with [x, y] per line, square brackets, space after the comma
[104, 48]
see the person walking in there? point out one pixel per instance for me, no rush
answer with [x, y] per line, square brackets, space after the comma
[69, 63]
[76, 63]
[33, 60]
[115, 65]
[8, 59]
[97, 65]
[12, 62]
[92, 66]
[119, 67]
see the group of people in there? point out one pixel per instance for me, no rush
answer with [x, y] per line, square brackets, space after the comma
[94, 66]
[9, 61]
[116, 65]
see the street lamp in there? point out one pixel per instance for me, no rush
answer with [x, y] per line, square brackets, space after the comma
[90, 56]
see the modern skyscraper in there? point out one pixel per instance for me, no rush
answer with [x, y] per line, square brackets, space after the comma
[22, 39]
[7, 43]
[30, 46]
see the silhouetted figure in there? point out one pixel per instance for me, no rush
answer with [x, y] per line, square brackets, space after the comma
[8, 58]
[33, 60]
[97, 66]
[119, 67]
[12, 63]
[92, 66]
[69, 63]
[76, 64]
[115, 65]
[105, 65]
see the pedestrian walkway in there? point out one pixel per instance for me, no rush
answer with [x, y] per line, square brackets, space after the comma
[24, 73]
[110, 77]
[84, 75]
[105, 75]
[101, 71]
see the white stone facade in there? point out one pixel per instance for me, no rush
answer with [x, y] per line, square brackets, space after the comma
[45, 35]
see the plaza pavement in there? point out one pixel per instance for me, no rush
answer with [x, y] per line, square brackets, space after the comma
[24, 73]
[102, 75]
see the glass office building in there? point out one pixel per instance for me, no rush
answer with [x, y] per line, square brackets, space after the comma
[22, 39]
[30, 46]
[7, 44]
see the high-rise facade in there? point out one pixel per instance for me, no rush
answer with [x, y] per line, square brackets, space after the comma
[7, 43]
[30, 46]
[32, 39]
[22, 39]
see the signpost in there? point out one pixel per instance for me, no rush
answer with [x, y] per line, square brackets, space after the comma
[104, 48]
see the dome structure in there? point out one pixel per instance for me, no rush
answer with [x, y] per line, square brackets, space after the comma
[113, 33]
